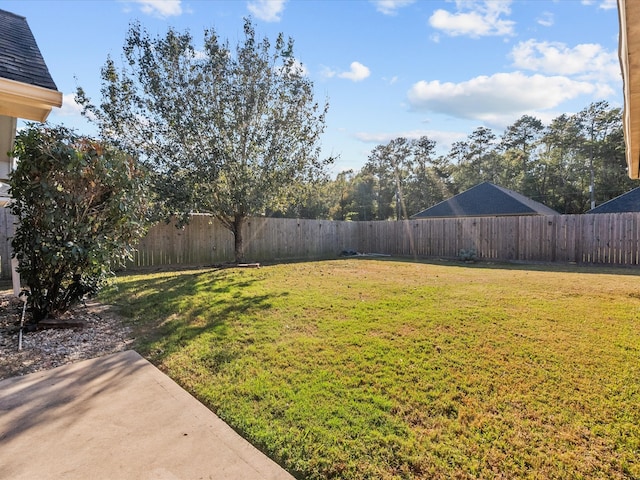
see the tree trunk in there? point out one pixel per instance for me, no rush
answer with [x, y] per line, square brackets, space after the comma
[238, 224]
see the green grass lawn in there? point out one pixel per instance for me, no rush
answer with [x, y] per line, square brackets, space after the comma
[383, 369]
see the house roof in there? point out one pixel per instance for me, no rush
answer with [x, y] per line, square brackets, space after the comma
[26, 87]
[20, 57]
[627, 202]
[629, 54]
[486, 200]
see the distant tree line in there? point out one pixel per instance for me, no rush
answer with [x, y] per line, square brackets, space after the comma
[553, 164]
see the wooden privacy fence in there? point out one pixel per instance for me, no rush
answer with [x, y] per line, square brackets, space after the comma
[612, 239]
[204, 241]
[597, 239]
[6, 233]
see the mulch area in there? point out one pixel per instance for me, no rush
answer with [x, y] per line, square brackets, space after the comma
[87, 331]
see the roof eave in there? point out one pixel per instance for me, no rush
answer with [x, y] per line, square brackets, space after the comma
[629, 54]
[31, 102]
[485, 215]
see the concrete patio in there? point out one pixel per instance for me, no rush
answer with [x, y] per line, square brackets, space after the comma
[117, 417]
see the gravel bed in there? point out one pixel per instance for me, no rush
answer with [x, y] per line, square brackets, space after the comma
[103, 333]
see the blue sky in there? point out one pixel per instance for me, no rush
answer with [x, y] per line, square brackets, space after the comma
[388, 68]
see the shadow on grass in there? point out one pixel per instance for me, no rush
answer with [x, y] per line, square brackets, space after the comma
[169, 310]
[601, 269]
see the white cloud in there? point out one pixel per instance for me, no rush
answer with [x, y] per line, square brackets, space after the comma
[546, 19]
[299, 68]
[267, 10]
[474, 18]
[328, 72]
[368, 137]
[198, 54]
[296, 68]
[70, 115]
[391, 7]
[442, 138]
[357, 73]
[608, 4]
[161, 8]
[498, 98]
[69, 106]
[603, 4]
[588, 61]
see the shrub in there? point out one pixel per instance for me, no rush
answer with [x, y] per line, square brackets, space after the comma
[81, 205]
[468, 256]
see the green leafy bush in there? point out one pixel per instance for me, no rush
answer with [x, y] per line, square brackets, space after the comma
[81, 206]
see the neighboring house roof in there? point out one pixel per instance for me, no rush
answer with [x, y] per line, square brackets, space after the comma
[627, 202]
[26, 87]
[486, 200]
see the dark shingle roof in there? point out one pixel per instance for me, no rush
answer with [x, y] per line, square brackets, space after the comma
[20, 57]
[486, 200]
[627, 202]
